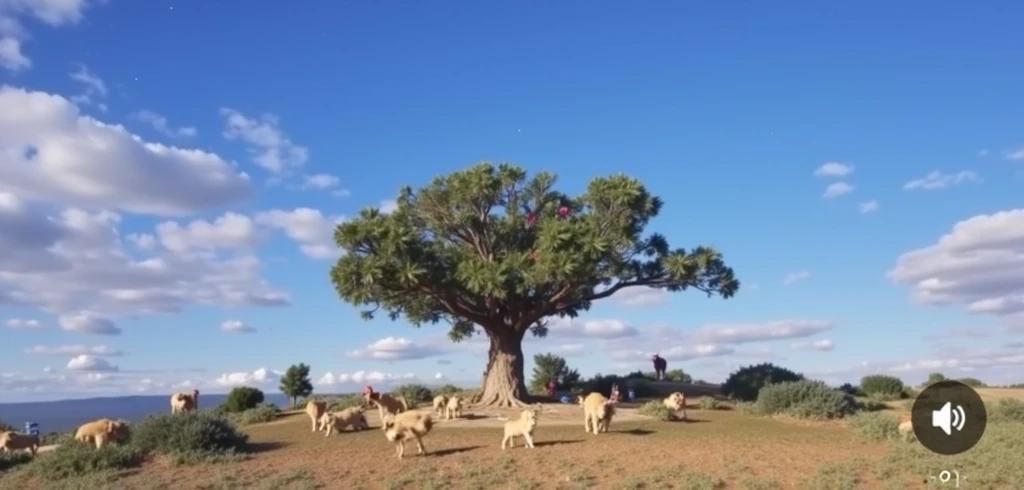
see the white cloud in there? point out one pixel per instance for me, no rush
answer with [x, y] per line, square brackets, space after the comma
[819, 345]
[88, 322]
[89, 363]
[868, 207]
[395, 349]
[13, 34]
[937, 180]
[837, 189]
[95, 89]
[1017, 154]
[269, 146]
[309, 227]
[979, 264]
[833, 169]
[388, 206]
[796, 277]
[378, 378]
[601, 329]
[675, 353]
[74, 351]
[569, 350]
[259, 377]
[232, 230]
[325, 182]
[236, 326]
[161, 125]
[760, 332]
[19, 324]
[49, 151]
[641, 296]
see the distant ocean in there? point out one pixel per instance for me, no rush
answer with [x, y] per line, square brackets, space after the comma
[67, 415]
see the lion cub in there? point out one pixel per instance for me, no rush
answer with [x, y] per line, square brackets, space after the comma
[522, 427]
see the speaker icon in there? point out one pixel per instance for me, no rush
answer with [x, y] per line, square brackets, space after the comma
[948, 418]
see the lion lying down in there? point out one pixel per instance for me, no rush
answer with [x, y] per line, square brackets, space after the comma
[338, 421]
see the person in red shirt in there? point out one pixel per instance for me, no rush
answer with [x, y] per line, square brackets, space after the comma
[552, 386]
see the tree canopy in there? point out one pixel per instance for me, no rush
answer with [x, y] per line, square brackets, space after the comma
[489, 248]
[547, 367]
[296, 383]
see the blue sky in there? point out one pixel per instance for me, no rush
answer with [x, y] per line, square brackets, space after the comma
[170, 176]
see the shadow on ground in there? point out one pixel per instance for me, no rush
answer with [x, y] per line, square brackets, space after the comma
[265, 446]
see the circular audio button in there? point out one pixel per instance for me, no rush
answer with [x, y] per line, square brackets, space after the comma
[949, 417]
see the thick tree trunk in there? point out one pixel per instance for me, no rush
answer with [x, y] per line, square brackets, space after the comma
[504, 383]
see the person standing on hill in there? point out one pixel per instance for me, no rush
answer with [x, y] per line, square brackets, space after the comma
[660, 364]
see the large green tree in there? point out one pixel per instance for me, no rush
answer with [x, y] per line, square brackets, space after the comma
[547, 367]
[296, 383]
[489, 250]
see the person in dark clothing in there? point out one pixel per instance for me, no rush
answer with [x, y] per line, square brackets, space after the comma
[660, 364]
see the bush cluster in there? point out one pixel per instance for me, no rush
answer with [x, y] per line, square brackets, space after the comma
[415, 394]
[881, 385]
[76, 460]
[708, 403]
[746, 383]
[805, 399]
[241, 399]
[1007, 410]
[875, 426]
[658, 410]
[199, 431]
[264, 412]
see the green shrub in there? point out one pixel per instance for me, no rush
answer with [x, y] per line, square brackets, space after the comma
[77, 460]
[641, 375]
[748, 408]
[678, 376]
[264, 412]
[805, 399]
[909, 392]
[343, 402]
[935, 378]
[1007, 410]
[658, 410]
[187, 432]
[849, 389]
[881, 384]
[414, 394]
[708, 403]
[56, 438]
[446, 390]
[10, 459]
[885, 397]
[875, 426]
[241, 399]
[972, 382]
[871, 405]
[746, 383]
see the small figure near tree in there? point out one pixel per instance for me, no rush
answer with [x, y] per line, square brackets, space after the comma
[552, 387]
[660, 364]
[296, 383]
[488, 250]
[551, 372]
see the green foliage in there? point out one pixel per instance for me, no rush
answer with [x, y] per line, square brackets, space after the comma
[658, 410]
[200, 431]
[549, 366]
[805, 399]
[296, 383]
[641, 375]
[678, 376]
[972, 382]
[883, 385]
[264, 412]
[241, 399]
[935, 378]
[447, 390]
[708, 403]
[415, 394]
[77, 460]
[872, 404]
[56, 438]
[745, 383]
[10, 459]
[343, 402]
[490, 248]
[1007, 410]
[849, 389]
[875, 426]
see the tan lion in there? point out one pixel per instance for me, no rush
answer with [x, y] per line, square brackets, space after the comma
[523, 426]
[13, 441]
[676, 402]
[405, 426]
[440, 405]
[316, 409]
[102, 431]
[453, 410]
[338, 421]
[597, 413]
[185, 402]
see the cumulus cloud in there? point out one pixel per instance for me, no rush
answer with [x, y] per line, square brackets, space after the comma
[95, 88]
[760, 332]
[162, 126]
[49, 151]
[268, 145]
[937, 180]
[995, 366]
[236, 326]
[54, 13]
[868, 207]
[819, 345]
[259, 377]
[833, 169]
[309, 227]
[1017, 154]
[641, 296]
[232, 230]
[19, 324]
[85, 362]
[388, 206]
[837, 189]
[395, 349]
[379, 378]
[88, 322]
[978, 264]
[601, 329]
[325, 182]
[796, 277]
[74, 351]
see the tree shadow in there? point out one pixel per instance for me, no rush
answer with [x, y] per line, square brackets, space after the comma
[691, 421]
[454, 450]
[556, 443]
[262, 447]
[637, 432]
[473, 416]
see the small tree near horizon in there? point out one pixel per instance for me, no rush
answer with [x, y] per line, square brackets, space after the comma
[489, 251]
[547, 367]
[296, 383]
